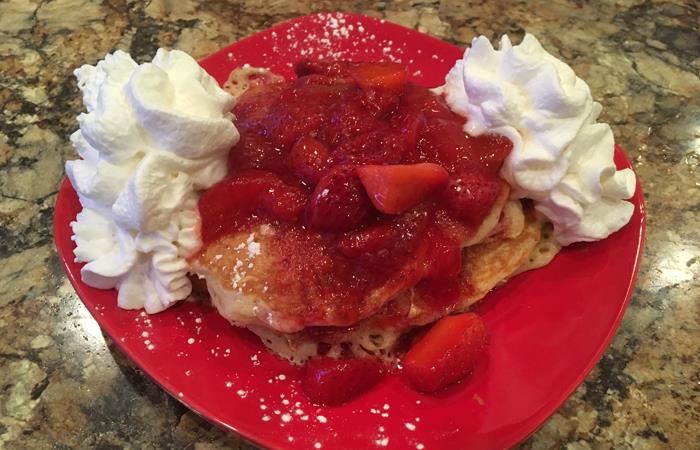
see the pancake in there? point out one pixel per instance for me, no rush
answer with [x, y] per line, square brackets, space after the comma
[261, 276]
[277, 287]
[544, 252]
[297, 249]
[484, 267]
[243, 78]
[512, 246]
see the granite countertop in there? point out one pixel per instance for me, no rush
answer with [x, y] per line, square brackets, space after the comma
[63, 385]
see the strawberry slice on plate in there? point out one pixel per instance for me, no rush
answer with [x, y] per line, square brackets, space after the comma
[330, 381]
[447, 353]
[397, 188]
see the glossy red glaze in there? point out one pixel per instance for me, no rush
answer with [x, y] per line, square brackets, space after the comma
[547, 328]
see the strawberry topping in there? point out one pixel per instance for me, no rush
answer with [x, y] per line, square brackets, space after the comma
[339, 202]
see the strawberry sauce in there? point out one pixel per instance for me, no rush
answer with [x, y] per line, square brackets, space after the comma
[367, 176]
[369, 172]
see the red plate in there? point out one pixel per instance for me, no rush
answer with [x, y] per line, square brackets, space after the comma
[548, 327]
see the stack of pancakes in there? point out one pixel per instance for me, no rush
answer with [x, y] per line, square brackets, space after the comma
[260, 277]
[253, 284]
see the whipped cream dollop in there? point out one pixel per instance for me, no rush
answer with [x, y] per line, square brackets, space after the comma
[561, 158]
[154, 135]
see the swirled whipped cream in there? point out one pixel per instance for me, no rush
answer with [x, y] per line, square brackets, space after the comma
[153, 136]
[561, 158]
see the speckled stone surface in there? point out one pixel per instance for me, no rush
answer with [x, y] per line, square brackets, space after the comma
[62, 385]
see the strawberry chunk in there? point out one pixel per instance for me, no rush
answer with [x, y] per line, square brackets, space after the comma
[491, 150]
[409, 124]
[254, 152]
[386, 75]
[339, 202]
[372, 239]
[470, 193]
[440, 140]
[344, 122]
[381, 246]
[308, 159]
[232, 200]
[447, 353]
[329, 381]
[380, 102]
[282, 201]
[397, 188]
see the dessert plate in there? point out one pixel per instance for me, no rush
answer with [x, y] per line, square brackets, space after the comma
[548, 327]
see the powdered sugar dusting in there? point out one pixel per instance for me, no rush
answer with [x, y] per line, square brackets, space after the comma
[334, 36]
[382, 442]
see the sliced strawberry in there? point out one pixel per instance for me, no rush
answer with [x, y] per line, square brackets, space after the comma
[282, 201]
[292, 122]
[256, 103]
[339, 202]
[440, 140]
[329, 381]
[316, 83]
[308, 159]
[419, 100]
[470, 193]
[386, 75]
[438, 263]
[447, 353]
[397, 188]
[345, 122]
